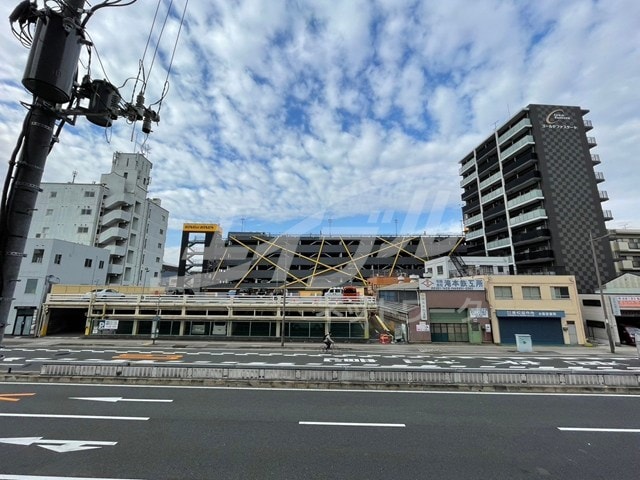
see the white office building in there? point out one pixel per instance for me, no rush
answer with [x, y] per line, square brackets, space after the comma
[114, 215]
[48, 262]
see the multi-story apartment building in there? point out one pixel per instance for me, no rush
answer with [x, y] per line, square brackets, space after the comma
[625, 245]
[531, 192]
[115, 215]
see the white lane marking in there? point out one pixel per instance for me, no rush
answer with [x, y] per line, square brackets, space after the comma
[354, 424]
[120, 399]
[333, 390]
[48, 477]
[81, 417]
[614, 430]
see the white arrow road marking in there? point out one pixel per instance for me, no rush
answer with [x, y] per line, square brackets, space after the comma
[82, 417]
[60, 446]
[352, 424]
[120, 399]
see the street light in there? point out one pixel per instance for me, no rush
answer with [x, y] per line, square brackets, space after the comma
[48, 281]
[144, 278]
[607, 324]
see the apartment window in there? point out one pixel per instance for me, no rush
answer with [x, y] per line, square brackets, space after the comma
[440, 270]
[38, 255]
[53, 194]
[49, 212]
[559, 292]
[89, 194]
[161, 231]
[159, 245]
[591, 302]
[157, 259]
[85, 211]
[101, 264]
[83, 229]
[57, 259]
[502, 292]
[531, 293]
[88, 262]
[31, 285]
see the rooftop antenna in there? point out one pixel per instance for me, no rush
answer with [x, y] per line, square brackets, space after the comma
[74, 174]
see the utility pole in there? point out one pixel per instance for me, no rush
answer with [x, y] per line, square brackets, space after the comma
[50, 75]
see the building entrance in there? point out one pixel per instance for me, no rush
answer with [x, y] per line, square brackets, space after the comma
[24, 320]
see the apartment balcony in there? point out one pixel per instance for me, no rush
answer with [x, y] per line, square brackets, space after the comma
[486, 149]
[534, 257]
[523, 181]
[604, 196]
[516, 147]
[492, 179]
[498, 193]
[475, 234]
[488, 163]
[117, 251]
[467, 180]
[473, 220]
[112, 234]
[591, 141]
[494, 212]
[607, 215]
[116, 269]
[595, 159]
[537, 235]
[599, 177]
[529, 217]
[113, 201]
[497, 227]
[587, 125]
[467, 195]
[517, 128]
[529, 197]
[519, 163]
[115, 216]
[627, 265]
[496, 244]
[467, 166]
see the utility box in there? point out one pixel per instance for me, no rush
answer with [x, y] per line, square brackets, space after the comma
[523, 342]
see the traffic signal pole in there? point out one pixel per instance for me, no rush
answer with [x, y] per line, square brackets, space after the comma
[26, 174]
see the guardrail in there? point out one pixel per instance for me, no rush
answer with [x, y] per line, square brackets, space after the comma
[345, 376]
[153, 300]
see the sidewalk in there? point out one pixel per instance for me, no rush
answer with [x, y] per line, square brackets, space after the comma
[398, 348]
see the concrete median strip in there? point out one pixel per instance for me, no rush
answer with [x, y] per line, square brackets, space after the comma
[343, 377]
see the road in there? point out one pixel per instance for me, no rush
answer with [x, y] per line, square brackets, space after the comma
[55, 431]
[30, 358]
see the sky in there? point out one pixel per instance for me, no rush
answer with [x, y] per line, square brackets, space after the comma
[339, 116]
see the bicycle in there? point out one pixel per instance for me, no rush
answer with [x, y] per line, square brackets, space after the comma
[328, 349]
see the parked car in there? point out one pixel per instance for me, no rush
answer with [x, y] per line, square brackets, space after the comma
[180, 291]
[628, 334]
[103, 293]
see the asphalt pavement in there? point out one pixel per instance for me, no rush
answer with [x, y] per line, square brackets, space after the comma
[599, 350]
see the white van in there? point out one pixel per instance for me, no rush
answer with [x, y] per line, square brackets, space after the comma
[334, 292]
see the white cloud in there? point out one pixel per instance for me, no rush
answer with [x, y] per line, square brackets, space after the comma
[282, 111]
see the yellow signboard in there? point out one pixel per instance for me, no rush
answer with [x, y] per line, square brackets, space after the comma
[201, 227]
